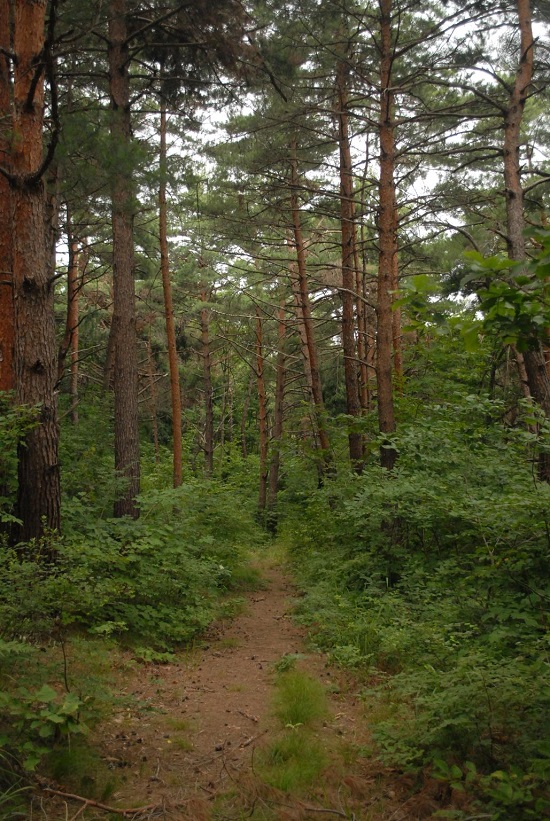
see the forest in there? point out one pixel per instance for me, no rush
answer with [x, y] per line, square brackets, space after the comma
[275, 298]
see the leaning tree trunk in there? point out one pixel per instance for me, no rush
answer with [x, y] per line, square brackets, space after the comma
[387, 228]
[535, 364]
[173, 366]
[349, 280]
[124, 310]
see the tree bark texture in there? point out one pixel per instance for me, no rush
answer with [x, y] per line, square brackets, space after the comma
[534, 360]
[173, 364]
[7, 316]
[305, 307]
[35, 353]
[125, 375]
[349, 279]
[387, 229]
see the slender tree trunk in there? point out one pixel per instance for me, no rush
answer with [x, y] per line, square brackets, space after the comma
[173, 365]
[349, 279]
[306, 313]
[208, 394]
[124, 309]
[153, 399]
[7, 315]
[535, 364]
[387, 227]
[301, 328]
[396, 328]
[262, 404]
[278, 416]
[244, 417]
[70, 341]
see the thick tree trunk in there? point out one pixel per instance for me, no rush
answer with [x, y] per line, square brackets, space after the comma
[305, 307]
[278, 418]
[208, 393]
[349, 278]
[262, 416]
[387, 228]
[535, 363]
[173, 365]
[7, 316]
[35, 354]
[124, 311]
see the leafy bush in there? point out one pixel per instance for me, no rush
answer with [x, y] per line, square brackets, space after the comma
[433, 579]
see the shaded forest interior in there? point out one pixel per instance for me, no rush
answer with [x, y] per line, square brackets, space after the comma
[278, 273]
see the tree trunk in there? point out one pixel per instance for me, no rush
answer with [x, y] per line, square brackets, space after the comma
[244, 417]
[124, 311]
[35, 354]
[153, 399]
[387, 228]
[305, 307]
[535, 364]
[262, 404]
[173, 365]
[278, 418]
[69, 343]
[349, 279]
[208, 393]
[7, 317]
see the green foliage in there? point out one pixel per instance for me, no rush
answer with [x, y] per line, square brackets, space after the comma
[433, 579]
[514, 296]
[14, 423]
[42, 717]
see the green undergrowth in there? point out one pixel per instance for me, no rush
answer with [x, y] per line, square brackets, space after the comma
[147, 587]
[432, 582]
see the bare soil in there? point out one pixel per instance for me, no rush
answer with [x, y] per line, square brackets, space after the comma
[185, 748]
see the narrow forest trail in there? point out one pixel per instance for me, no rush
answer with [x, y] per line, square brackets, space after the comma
[188, 745]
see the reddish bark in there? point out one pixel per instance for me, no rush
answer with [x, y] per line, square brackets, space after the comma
[535, 363]
[387, 228]
[173, 364]
[7, 326]
[35, 355]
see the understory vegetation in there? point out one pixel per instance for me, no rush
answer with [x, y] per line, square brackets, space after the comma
[432, 582]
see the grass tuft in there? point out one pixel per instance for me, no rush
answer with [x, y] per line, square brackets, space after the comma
[300, 699]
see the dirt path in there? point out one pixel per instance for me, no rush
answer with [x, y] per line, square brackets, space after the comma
[186, 746]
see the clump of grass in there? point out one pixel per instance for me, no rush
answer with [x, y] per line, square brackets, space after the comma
[292, 761]
[300, 700]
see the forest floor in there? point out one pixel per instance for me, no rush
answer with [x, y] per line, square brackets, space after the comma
[192, 738]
